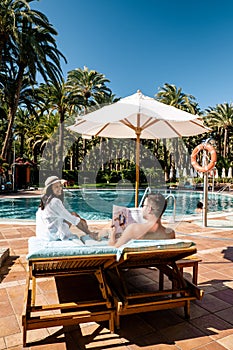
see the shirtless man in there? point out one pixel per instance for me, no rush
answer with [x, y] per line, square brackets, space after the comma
[153, 208]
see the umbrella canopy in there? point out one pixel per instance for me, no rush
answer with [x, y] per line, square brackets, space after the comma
[171, 174]
[195, 173]
[185, 172]
[141, 117]
[200, 175]
[223, 172]
[229, 175]
[139, 114]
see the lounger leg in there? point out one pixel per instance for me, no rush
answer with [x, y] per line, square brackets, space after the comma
[102, 287]
[111, 322]
[179, 276]
[117, 314]
[26, 309]
[117, 320]
[24, 336]
[195, 272]
[33, 291]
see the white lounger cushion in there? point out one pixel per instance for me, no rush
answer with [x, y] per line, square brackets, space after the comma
[46, 249]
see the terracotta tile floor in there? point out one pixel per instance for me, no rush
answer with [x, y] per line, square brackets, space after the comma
[210, 326]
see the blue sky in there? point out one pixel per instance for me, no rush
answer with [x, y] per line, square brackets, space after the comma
[143, 44]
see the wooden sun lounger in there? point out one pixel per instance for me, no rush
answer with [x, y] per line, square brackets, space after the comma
[109, 267]
[139, 299]
[73, 312]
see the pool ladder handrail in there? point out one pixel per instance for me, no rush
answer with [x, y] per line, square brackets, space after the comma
[222, 189]
[147, 191]
[170, 195]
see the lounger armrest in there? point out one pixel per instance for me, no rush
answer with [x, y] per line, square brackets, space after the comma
[153, 246]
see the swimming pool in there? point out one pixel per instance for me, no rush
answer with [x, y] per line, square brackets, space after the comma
[97, 204]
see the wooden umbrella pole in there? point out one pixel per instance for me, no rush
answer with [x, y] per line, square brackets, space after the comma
[137, 167]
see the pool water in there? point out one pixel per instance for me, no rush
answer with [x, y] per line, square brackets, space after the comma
[97, 204]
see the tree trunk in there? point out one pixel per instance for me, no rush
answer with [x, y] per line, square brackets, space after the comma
[21, 145]
[61, 143]
[225, 143]
[165, 157]
[35, 155]
[6, 149]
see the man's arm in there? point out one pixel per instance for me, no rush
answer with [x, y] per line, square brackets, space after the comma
[112, 236]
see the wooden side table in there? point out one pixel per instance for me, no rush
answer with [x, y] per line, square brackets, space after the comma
[189, 262]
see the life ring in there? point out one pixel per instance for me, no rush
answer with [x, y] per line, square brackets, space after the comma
[211, 164]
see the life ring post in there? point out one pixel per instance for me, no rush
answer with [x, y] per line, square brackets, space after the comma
[205, 168]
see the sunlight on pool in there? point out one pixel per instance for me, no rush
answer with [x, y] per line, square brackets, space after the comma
[97, 204]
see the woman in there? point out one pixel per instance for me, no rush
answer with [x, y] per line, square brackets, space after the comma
[53, 220]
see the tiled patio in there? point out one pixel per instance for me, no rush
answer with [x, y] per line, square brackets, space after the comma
[210, 326]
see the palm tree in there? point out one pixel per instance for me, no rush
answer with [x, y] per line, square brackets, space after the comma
[106, 99]
[173, 96]
[87, 88]
[40, 134]
[3, 115]
[220, 118]
[28, 99]
[32, 50]
[11, 14]
[56, 100]
[22, 125]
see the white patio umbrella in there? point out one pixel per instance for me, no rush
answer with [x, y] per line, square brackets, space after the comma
[200, 175]
[185, 172]
[229, 174]
[171, 173]
[195, 174]
[223, 172]
[140, 117]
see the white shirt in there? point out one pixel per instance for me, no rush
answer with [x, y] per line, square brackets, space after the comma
[50, 222]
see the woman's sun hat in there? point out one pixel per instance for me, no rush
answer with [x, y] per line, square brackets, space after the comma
[52, 180]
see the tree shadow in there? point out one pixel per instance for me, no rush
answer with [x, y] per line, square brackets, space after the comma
[6, 267]
[228, 253]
